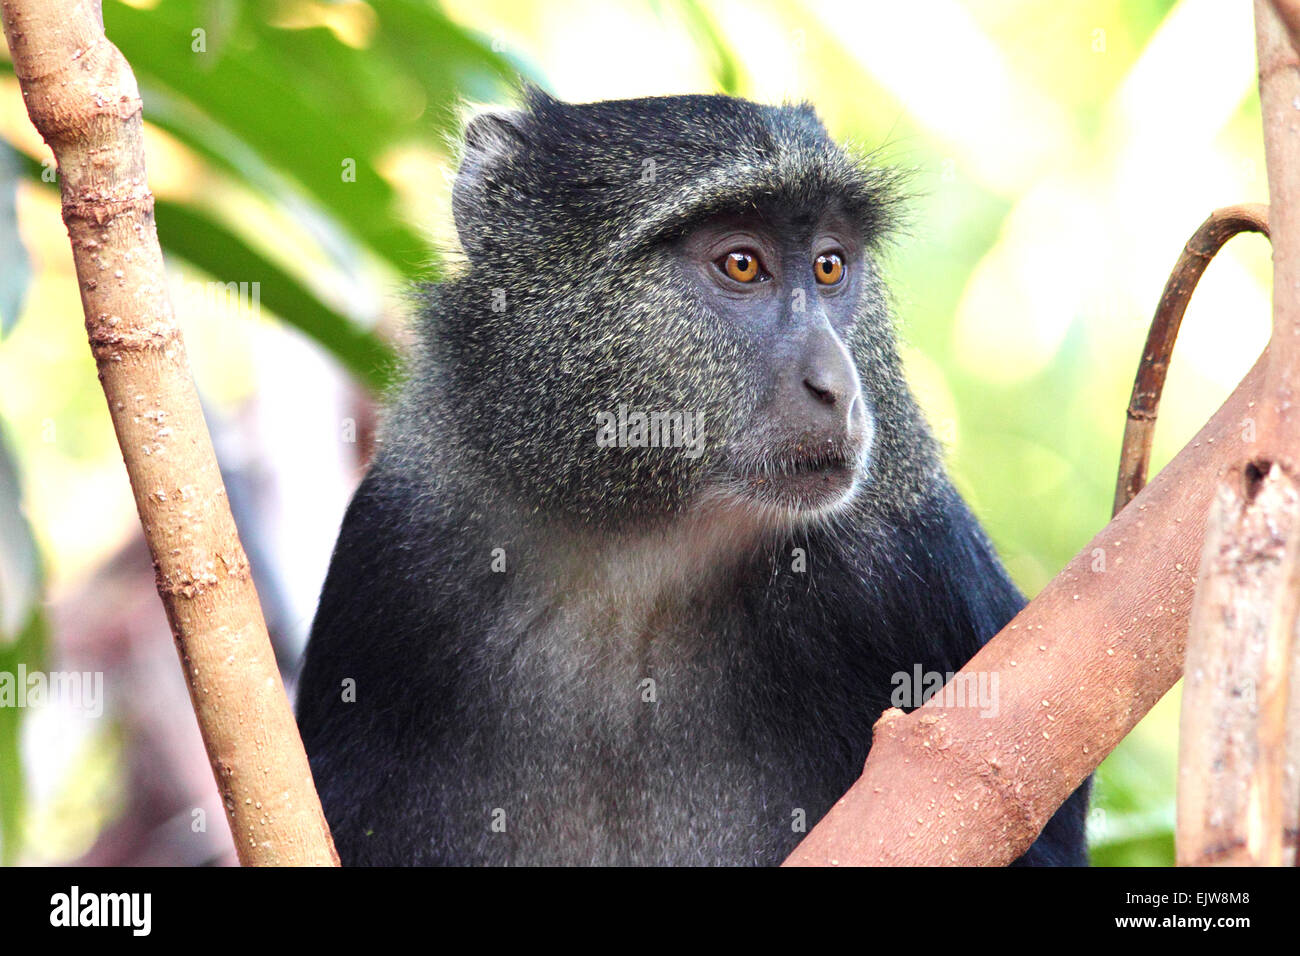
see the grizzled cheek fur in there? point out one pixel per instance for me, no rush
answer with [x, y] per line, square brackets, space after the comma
[900, 447]
[637, 339]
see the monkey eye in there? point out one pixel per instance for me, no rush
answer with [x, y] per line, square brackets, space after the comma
[742, 265]
[828, 268]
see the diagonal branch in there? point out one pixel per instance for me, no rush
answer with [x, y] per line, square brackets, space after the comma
[1077, 669]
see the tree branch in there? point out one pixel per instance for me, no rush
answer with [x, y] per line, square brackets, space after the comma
[1238, 793]
[82, 97]
[1232, 735]
[1077, 669]
[1144, 405]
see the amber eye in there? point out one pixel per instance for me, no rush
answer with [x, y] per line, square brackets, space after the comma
[829, 268]
[741, 265]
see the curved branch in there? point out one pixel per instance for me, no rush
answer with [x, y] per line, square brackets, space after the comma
[1139, 429]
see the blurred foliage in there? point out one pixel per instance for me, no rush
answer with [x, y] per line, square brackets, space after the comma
[1060, 154]
[301, 116]
[23, 637]
[14, 266]
[28, 648]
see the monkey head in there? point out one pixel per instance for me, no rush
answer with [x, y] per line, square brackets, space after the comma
[668, 305]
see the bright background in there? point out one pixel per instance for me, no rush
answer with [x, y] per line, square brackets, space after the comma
[1060, 155]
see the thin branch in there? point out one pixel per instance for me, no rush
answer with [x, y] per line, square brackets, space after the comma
[83, 99]
[1143, 406]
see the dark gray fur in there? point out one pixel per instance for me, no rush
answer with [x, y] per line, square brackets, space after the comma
[520, 693]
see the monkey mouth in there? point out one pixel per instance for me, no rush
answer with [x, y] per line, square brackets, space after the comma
[804, 480]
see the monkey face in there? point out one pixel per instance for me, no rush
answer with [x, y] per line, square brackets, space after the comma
[669, 305]
[787, 282]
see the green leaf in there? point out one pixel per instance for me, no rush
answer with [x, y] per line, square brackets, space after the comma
[304, 102]
[281, 109]
[30, 650]
[726, 69]
[213, 248]
[194, 236]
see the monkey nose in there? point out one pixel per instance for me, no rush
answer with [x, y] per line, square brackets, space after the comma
[824, 388]
[828, 386]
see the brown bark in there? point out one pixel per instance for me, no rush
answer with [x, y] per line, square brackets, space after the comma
[1077, 669]
[1288, 15]
[83, 99]
[1232, 736]
[1238, 794]
[1278, 434]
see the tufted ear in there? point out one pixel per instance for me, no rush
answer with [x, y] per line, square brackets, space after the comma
[492, 130]
[492, 139]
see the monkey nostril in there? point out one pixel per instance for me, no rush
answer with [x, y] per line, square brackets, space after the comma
[820, 392]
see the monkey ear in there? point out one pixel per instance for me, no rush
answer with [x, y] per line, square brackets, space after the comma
[493, 130]
[492, 139]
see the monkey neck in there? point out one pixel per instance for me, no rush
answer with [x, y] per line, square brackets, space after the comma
[650, 573]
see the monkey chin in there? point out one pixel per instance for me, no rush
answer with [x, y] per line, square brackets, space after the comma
[792, 495]
[805, 497]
